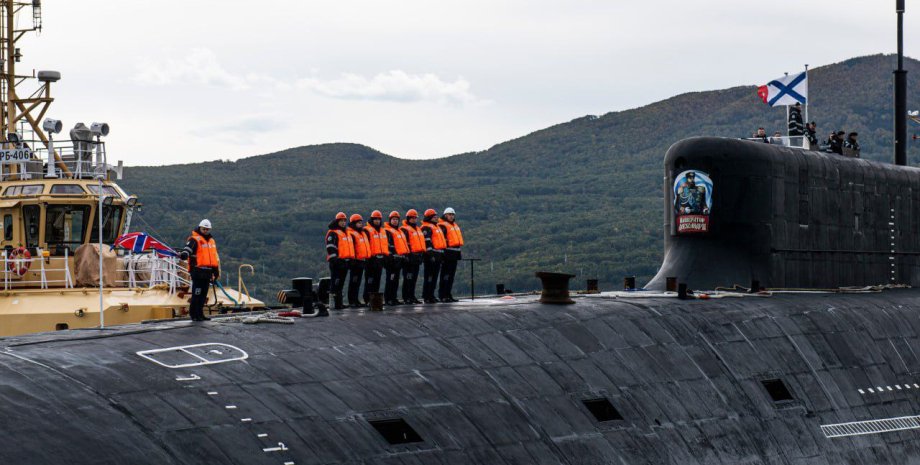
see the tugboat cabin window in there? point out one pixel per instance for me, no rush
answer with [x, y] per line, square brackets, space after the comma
[7, 227]
[65, 227]
[67, 189]
[111, 220]
[30, 217]
[31, 189]
[108, 190]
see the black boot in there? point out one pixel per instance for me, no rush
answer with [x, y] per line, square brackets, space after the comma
[338, 302]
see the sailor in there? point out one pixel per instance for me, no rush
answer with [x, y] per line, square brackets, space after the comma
[340, 250]
[416, 241]
[435, 243]
[203, 266]
[452, 254]
[796, 127]
[852, 143]
[379, 250]
[399, 251]
[761, 135]
[356, 266]
[835, 142]
[811, 135]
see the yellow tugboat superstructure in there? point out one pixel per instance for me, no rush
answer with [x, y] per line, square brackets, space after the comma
[56, 194]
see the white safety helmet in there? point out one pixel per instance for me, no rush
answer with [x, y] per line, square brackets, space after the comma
[449, 210]
[205, 223]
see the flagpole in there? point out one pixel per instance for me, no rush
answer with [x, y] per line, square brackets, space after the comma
[806, 98]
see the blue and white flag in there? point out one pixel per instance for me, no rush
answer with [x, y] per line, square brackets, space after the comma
[787, 90]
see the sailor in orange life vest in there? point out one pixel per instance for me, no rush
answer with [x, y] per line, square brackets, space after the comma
[362, 253]
[340, 250]
[379, 250]
[416, 241]
[435, 243]
[203, 266]
[451, 254]
[399, 251]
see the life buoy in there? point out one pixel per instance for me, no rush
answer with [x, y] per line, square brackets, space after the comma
[19, 260]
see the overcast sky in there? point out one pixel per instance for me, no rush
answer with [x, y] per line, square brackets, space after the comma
[195, 80]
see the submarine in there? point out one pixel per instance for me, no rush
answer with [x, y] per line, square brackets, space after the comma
[793, 338]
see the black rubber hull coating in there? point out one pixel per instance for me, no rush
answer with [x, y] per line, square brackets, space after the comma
[791, 218]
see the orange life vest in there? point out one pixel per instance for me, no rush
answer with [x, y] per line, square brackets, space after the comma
[454, 236]
[414, 237]
[205, 252]
[399, 239]
[438, 242]
[345, 245]
[361, 244]
[378, 241]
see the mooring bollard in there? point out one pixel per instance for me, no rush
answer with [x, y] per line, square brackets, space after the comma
[555, 287]
[500, 289]
[671, 284]
[629, 283]
[591, 286]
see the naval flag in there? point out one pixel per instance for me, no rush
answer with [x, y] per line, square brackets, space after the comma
[786, 90]
[138, 242]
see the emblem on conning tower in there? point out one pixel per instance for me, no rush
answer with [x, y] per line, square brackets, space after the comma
[692, 201]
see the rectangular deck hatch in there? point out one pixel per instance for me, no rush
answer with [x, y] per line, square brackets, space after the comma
[602, 409]
[395, 431]
[777, 390]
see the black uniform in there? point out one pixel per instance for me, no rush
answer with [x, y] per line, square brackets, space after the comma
[853, 145]
[372, 270]
[811, 136]
[338, 267]
[393, 265]
[433, 259]
[355, 273]
[452, 255]
[410, 272]
[796, 125]
[201, 278]
[835, 145]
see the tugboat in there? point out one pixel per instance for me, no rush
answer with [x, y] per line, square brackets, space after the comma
[58, 272]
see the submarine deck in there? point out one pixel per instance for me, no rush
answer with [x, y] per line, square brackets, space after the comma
[497, 382]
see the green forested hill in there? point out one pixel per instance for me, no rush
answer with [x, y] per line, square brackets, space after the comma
[583, 196]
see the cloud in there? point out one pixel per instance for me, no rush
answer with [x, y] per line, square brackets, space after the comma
[395, 86]
[202, 67]
[243, 131]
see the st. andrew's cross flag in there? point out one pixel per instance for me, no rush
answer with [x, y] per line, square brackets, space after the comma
[787, 90]
[138, 242]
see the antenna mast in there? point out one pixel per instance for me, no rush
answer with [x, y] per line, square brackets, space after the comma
[14, 108]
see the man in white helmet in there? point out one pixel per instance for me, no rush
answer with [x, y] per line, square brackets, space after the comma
[203, 266]
[452, 255]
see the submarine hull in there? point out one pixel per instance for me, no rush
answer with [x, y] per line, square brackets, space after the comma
[496, 382]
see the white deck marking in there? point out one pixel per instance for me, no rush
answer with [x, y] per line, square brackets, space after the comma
[245, 419]
[281, 447]
[262, 435]
[212, 393]
[193, 377]
[230, 407]
[195, 359]
[861, 391]
[859, 428]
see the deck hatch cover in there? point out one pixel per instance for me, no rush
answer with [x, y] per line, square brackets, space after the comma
[777, 390]
[858, 428]
[395, 431]
[602, 409]
[194, 355]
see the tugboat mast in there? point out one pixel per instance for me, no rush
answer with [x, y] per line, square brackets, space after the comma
[32, 108]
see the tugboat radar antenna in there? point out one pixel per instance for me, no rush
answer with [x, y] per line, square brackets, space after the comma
[30, 106]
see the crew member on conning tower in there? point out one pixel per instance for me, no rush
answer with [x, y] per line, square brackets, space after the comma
[452, 254]
[339, 251]
[362, 254]
[203, 267]
[399, 251]
[435, 243]
[416, 241]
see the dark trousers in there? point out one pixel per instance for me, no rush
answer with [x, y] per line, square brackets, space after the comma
[448, 270]
[338, 271]
[432, 267]
[201, 283]
[410, 276]
[355, 273]
[372, 270]
[393, 268]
